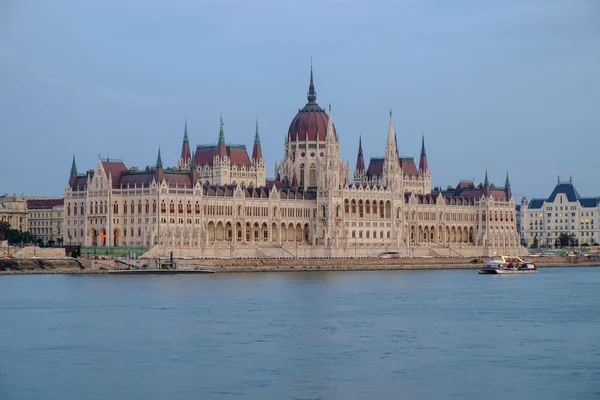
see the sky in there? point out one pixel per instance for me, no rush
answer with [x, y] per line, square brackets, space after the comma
[507, 86]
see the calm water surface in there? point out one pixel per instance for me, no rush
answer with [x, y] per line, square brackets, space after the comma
[342, 335]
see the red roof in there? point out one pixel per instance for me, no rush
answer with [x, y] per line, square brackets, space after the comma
[178, 179]
[237, 155]
[408, 166]
[114, 169]
[44, 204]
[310, 122]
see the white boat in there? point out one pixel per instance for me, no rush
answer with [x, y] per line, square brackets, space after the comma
[507, 265]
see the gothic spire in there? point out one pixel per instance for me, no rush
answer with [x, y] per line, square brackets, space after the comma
[423, 161]
[486, 186]
[507, 188]
[360, 161]
[193, 161]
[485, 181]
[185, 148]
[312, 95]
[73, 167]
[256, 150]
[159, 163]
[186, 139]
[221, 148]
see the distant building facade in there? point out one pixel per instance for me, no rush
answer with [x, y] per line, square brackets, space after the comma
[218, 202]
[45, 219]
[542, 221]
[13, 209]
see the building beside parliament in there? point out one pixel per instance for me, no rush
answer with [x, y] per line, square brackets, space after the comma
[218, 202]
[542, 221]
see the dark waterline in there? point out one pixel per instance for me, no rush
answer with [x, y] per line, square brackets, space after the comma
[337, 335]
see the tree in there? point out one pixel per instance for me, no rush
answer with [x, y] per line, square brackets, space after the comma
[4, 227]
[566, 240]
[50, 243]
[535, 243]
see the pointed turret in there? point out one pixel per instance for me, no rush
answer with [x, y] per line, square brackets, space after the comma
[311, 95]
[507, 188]
[221, 148]
[158, 172]
[73, 176]
[360, 161]
[73, 167]
[294, 181]
[423, 167]
[184, 160]
[486, 186]
[256, 150]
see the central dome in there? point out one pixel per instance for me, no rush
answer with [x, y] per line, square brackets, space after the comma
[311, 121]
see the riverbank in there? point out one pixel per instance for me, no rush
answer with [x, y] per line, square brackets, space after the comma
[38, 266]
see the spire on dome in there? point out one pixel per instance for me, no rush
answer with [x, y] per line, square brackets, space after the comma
[360, 161]
[221, 148]
[73, 167]
[312, 95]
[423, 161]
[256, 150]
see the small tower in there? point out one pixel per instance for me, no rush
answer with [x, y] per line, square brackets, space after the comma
[507, 188]
[184, 160]
[360, 162]
[159, 173]
[486, 186]
[423, 167]
[221, 148]
[311, 95]
[73, 176]
[256, 150]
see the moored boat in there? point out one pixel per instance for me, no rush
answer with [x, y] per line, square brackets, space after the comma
[507, 265]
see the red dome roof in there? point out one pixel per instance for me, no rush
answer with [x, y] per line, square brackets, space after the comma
[311, 121]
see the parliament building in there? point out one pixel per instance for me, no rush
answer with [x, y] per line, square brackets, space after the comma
[218, 202]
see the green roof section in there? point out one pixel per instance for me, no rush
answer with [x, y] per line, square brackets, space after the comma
[256, 136]
[159, 163]
[73, 167]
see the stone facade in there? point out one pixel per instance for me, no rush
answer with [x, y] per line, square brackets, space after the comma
[13, 209]
[45, 219]
[565, 211]
[218, 202]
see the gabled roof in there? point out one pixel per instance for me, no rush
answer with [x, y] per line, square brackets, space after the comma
[237, 154]
[375, 167]
[567, 189]
[114, 169]
[408, 166]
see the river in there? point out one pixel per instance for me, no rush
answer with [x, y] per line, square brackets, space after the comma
[312, 335]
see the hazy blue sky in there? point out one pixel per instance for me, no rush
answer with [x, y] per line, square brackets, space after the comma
[499, 85]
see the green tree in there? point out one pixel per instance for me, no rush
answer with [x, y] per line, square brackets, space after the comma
[4, 227]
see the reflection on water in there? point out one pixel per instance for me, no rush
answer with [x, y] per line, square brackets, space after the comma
[329, 335]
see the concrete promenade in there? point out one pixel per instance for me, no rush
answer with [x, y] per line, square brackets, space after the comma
[283, 265]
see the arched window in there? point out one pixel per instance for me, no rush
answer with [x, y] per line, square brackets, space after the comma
[125, 208]
[75, 209]
[172, 208]
[132, 209]
[180, 208]
[82, 209]
[116, 208]
[302, 175]
[324, 211]
[147, 207]
[154, 206]
[139, 206]
[96, 208]
[68, 208]
[312, 175]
